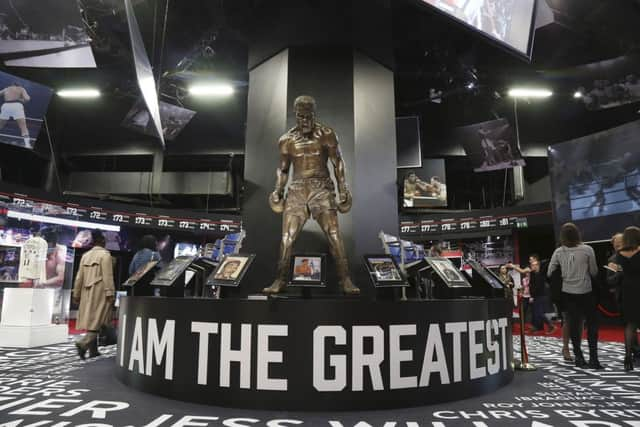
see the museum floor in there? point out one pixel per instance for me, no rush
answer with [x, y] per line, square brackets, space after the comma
[50, 387]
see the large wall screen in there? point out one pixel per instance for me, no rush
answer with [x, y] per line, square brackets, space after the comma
[508, 21]
[596, 181]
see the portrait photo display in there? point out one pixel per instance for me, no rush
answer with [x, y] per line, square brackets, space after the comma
[308, 270]
[231, 270]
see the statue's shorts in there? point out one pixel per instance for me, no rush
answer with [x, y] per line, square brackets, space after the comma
[310, 197]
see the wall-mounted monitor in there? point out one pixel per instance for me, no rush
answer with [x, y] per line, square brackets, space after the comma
[425, 187]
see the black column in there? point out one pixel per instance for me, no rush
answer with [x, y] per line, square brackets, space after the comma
[355, 97]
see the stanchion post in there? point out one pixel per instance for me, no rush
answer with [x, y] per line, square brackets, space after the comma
[523, 364]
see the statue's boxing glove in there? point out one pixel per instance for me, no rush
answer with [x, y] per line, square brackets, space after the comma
[276, 201]
[345, 201]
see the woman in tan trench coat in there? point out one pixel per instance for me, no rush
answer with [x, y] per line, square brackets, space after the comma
[94, 290]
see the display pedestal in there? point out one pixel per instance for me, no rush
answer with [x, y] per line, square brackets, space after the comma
[300, 354]
[26, 319]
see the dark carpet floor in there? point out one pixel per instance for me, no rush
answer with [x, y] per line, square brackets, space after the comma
[51, 387]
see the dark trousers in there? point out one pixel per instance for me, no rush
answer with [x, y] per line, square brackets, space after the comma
[581, 307]
[540, 305]
[525, 307]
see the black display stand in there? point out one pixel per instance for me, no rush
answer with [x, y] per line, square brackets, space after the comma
[202, 268]
[293, 354]
[138, 284]
[485, 283]
[170, 281]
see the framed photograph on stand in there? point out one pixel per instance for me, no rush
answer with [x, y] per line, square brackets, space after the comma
[448, 272]
[308, 270]
[383, 271]
[231, 270]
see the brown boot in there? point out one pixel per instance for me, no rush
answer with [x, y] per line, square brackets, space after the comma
[348, 287]
[344, 280]
[281, 280]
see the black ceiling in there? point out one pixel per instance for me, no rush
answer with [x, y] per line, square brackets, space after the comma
[209, 37]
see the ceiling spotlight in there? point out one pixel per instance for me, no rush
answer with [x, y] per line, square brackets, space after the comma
[211, 90]
[79, 93]
[578, 95]
[471, 85]
[529, 93]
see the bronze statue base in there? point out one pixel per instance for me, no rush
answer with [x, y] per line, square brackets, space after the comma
[275, 288]
[279, 285]
[348, 287]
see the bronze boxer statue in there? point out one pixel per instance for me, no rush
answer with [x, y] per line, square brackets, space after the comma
[311, 193]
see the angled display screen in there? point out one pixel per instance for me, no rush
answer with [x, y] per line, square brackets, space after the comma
[507, 21]
[23, 107]
[45, 34]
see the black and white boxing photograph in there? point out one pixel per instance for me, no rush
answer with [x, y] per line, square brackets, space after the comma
[490, 145]
[24, 105]
[448, 272]
[44, 33]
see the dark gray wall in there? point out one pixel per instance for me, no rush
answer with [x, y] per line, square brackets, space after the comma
[363, 24]
[266, 121]
[185, 183]
[375, 151]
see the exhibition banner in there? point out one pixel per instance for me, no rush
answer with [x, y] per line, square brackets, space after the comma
[479, 220]
[22, 204]
[314, 354]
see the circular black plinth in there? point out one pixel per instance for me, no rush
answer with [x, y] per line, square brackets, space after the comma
[343, 354]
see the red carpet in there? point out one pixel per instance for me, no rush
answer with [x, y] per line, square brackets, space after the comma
[74, 331]
[614, 333]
